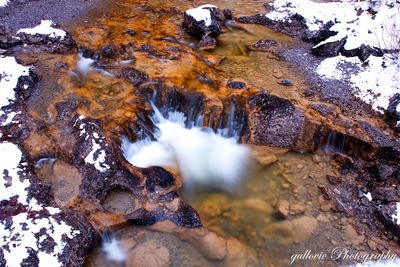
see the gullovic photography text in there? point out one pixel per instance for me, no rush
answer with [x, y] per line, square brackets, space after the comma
[193, 133]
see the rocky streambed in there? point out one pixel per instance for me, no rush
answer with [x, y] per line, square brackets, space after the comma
[321, 173]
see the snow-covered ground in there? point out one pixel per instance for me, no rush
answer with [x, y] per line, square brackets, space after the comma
[34, 224]
[45, 28]
[3, 3]
[373, 23]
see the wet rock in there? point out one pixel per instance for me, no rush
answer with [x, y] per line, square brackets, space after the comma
[331, 49]
[285, 82]
[273, 121]
[238, 254]
[325, 205]
[184, 216]
[204, 20]
[291, 231]
[282, 208]
[120, 201]
[134, 76]
[109, 51]
[264, 45]
[207, 42]
[265, 155]
[157, 179]
[209, 244]
[149, 254]
[129, 32]
[237, 85]
[256, 19]
[257, 204]
[324, 109]
[352, 235]
[297, 208]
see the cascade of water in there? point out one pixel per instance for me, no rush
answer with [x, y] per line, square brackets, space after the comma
[201, 155]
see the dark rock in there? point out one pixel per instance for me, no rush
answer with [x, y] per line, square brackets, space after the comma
[274, 121]
[61, 65]
[393, 111]
[134, 76]
[319, 35]
[147, 48]
[384, 171]
[55, 45]
[366, 51]
[7, 42]
[363, 52]
[157, 178]
[77, 248]
[207, 42]
[129, 32]
[3, 30]
[331, 49]
[285, 82]
[386, 194]
[227, 13]
[385, 213]
[324, 109]
[256, 19]
[192, 26]
[263, 45]
[236, 84]
[109, 51]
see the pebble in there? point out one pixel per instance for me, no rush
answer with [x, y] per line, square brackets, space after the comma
[285, 82]
[282, 208]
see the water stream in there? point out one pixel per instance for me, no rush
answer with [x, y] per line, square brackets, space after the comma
[256, 187]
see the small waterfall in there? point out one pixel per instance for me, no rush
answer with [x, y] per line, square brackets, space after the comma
[112, 248]
[203, 156]
[335, 142]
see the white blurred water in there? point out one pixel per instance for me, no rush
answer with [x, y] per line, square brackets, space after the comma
[201, 155]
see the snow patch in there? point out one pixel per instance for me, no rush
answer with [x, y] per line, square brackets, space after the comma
[45, 28]
[3, 3]
[374, 83]
[368, 196]
[10, 71]
[20, 237]
[97, 157]
[201, 13]
[351, 19]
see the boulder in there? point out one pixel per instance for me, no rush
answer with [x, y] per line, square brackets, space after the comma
[330, 49]
[273, 121]
[204, 20]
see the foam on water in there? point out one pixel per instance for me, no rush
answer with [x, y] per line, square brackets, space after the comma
[113, 249]
[201, 155]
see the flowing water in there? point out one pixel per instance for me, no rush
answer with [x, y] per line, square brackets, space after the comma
[272, 180]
